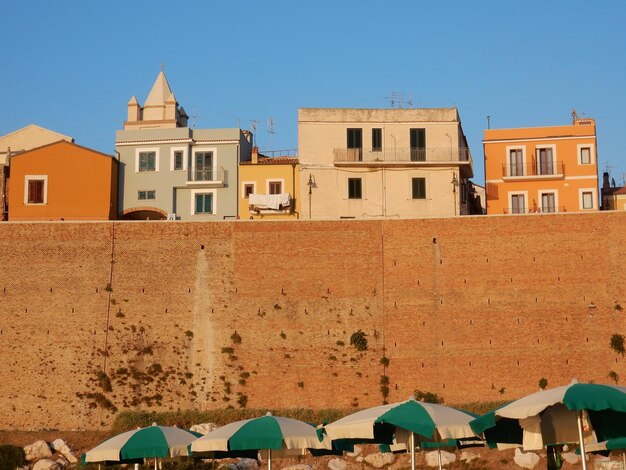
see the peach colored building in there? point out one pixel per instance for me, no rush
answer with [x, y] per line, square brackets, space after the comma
[542, 169]
[62, 181]
[268, 187]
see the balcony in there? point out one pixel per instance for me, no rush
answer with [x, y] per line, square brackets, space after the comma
[534, 210]
[402, 155]
[534, 170]
[213, 177]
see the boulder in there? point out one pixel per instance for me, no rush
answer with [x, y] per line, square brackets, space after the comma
[357, 451]
[70, 457]
[467, 456]
[62, 462]
[570, 457]
[432, 458]
[229, 466]
[37, 450]
[46, 464]
[299, 466]
[526, 460]
[337, 464]
[203, 428]
[379, 460]
[247, 464]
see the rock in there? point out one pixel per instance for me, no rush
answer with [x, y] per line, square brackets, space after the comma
[230, 466]
[357, 451]
[467, 456]
[360, 459]
[247, 464]
[379, 460]
[432, 458]
[203, 428]
[59, 445]
[46, 464]
[526, 460]
[570, 457]
[337, 464]
[299, 466]
[37, 450]
[70, 457]
[62, 462]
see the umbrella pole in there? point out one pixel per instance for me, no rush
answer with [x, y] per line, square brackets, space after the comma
[412, 451]
[439, 458]
[269, 459]
[583, 456]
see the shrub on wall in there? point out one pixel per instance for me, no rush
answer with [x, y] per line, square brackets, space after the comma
[617, 343]
[11, 457]
[428, 397]
[359, 340]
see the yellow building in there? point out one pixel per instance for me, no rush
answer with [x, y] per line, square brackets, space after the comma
[542, 169]
[268, 187]
[383, 163]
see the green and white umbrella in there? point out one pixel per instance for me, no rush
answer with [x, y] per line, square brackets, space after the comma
[431, 422]
[151, 442]
[569, 413]
[265, 433]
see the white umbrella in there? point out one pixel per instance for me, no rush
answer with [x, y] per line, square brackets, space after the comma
[265, 433]
[431, 421]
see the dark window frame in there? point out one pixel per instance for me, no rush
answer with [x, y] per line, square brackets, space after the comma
[418, 188]
[377, 139]
[147, 161]
[36, 190]
[355, 188]
[179, 160]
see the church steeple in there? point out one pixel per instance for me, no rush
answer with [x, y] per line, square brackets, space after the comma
[160, 110]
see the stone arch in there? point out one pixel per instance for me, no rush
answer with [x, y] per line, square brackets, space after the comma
[143, 213]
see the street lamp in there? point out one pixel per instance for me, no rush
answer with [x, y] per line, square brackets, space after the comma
[311, 184]
[455, 184]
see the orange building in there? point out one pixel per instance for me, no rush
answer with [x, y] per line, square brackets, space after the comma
[62, 181]
[542, 169]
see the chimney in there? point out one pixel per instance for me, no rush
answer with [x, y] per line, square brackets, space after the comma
[255, 155]
[605, 180]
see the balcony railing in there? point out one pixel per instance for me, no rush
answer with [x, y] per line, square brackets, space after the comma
[535, 210]
[534, 169]
[402, 155]
[199, 175]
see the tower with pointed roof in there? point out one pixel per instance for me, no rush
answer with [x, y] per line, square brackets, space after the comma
[160, 110]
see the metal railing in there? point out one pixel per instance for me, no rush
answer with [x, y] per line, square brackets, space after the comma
[205, 174]
[279, 153]
[403, 154]
[549, 168]
[535, 210]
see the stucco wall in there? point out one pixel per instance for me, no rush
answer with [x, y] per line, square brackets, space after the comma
[473, 308]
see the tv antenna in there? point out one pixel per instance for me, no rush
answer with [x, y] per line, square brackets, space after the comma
[271, 131]
[398, 99]
[253, 125]
[194, 116]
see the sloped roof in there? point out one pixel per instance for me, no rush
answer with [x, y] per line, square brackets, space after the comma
[160, 92]
[35, 127]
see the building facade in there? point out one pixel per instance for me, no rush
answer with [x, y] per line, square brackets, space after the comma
[169, 170]
[63, 181]
[21, 140]
[269, 188]
[542, 169]
[383, 163]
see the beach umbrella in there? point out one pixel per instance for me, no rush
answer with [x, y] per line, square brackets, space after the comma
[150, 442]
[431, 422]
[265, 433]
[570, 413]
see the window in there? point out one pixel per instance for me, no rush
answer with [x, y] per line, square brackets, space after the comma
[418, 145]
[377, 140]
[147, 161]
[544, 161]
[247, 190]
[204, 166]
[274, 187]
[548, 202]
[587, 200]
[178, 160]
[585, 155]
[516, 162]
[204, 203]
[354, 188]
[518, 205]
[355, 144]
[418, 188]
[147, 194]
[35, 194]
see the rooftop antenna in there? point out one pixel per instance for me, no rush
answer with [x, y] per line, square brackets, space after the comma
[398, 99]
[194, 117]
[488, 122]
[253, 125]
[574, 116]
[271, 131]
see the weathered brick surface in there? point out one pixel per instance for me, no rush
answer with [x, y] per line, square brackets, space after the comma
[469, 308]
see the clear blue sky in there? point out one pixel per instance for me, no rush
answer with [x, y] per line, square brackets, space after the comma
[72, 65]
